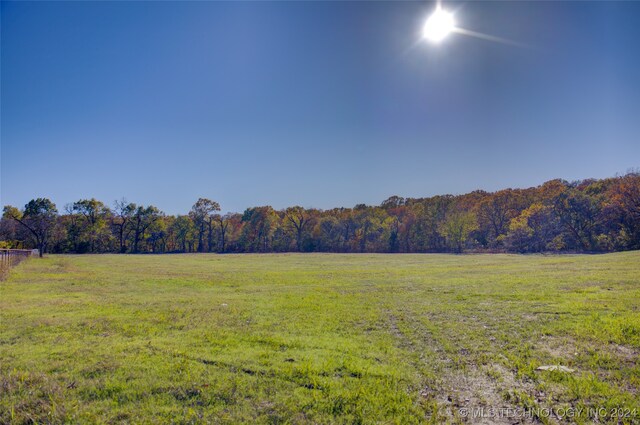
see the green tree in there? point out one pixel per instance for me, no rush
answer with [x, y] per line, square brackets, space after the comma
[121, 221]
[94, 228]
[38, 217]
[203, 215]
[457, 227]
[184, 232]
[142, 220]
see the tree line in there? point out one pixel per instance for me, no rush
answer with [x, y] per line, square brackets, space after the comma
[583, 216]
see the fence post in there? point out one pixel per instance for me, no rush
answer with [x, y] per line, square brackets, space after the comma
[11, 257]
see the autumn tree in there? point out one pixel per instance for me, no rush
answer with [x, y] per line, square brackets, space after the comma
[586, 215]
[495, 212]
[300, 219]
[348, 227]
[393, 202]
[402, 220]
[259, 226]
[328, 234]
[535, 229]
[578, 214]
[622, 211]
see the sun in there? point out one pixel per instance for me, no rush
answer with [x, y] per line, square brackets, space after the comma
[438, 25]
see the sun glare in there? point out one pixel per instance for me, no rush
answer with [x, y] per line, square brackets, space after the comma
[438, 26]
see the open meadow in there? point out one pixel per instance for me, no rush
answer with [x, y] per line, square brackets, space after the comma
[320, 338]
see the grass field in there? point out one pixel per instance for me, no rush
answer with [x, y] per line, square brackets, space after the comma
[319, 338]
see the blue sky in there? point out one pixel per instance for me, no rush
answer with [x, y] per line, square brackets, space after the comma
[320, 104]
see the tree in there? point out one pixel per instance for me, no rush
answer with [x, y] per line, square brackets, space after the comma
[430, 214]
[578, 214]
[95, 215]
[536, 229]
[495, 212]
[393, 202]
[622, 211]
[142, 219]
[457, 227]
[371, 227]
[348, 226]
[12, 233]
[202, 214]
[401, 225]
[259, 226]
[584, 215]
[184, 232]
[234, 232]
[123, 213]
[157, 239]
[38, 217]
[300, 219]
[223, 222]
[328, 234]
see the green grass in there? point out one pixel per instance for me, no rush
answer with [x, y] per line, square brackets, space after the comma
[316, 338]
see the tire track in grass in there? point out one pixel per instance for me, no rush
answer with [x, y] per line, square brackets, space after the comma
[454, 389]
[231, 367]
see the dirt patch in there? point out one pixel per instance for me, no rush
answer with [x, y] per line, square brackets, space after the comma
[628, 354]
[472, 394]
[482, 396]
[568, 349]
[559, 348]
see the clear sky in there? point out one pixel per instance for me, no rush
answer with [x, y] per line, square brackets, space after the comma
[320, 104]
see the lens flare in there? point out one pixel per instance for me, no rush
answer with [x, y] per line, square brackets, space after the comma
[439, 25]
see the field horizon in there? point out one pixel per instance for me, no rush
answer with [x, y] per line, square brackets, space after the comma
[320, 338]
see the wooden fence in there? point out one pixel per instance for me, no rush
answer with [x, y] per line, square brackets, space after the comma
[11, 257]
